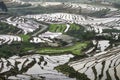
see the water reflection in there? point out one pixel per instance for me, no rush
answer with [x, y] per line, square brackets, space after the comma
[103, 44]
[100, 67]
[33, 66]
[100, 45]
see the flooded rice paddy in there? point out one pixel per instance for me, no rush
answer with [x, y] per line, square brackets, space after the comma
[104, 65]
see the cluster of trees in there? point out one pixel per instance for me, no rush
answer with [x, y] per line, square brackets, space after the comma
[8, 29]
[111, 31]
[81, 33]
[17, 48]
[3, 6]
[110, 34]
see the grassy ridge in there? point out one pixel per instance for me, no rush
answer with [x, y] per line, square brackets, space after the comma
[25, 37]
[76, 49]
[24, 47]
[61, 27]
[57, 28]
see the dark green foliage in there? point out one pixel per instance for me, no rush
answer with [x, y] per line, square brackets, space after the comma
[111, 31]
[3, 6]
[9, 50]
[71, 72]
[7, 28]
[88, 35]
[81, 33]
[19, 48]
[110, 34]
[103, 37]
[16, 48]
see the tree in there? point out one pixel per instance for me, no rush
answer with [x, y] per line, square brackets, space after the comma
[3, 6]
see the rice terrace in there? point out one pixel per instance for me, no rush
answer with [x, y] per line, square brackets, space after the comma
[59, 39]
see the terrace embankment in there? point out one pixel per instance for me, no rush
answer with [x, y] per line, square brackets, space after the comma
[101, 66]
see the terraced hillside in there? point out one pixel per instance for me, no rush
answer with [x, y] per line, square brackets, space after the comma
[25, 24]
[101, 66]
[98, 24]
[43, 40]
[33, 67]
[8, 39]
[22, 7]
[71, 0]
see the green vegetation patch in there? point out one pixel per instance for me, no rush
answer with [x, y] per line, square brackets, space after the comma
[74, 27]
[75, 49]
[111, 31]
[17, 48]
[9, 50]
[80, 32]
[24, 47]
[69, 71]
[57, 28]
[7, 28]
[25, 37]
[61, 27]
[75, 30]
